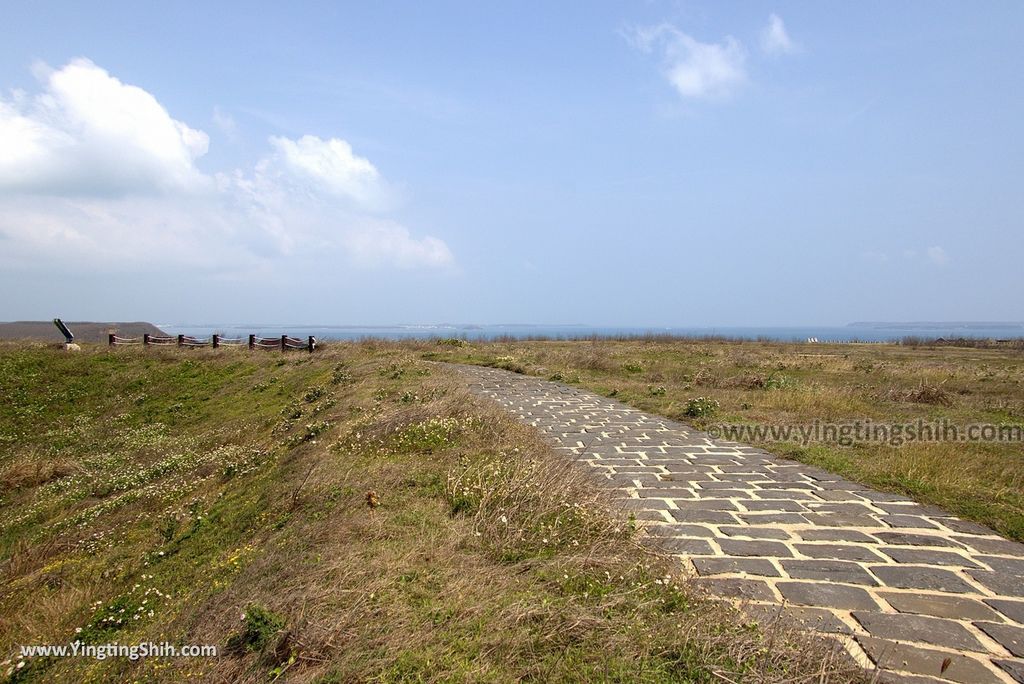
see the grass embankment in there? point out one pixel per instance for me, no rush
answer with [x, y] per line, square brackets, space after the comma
[346, 516]
[763, 383]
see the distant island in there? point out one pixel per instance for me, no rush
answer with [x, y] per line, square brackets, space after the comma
[84, 331]
[938, 325]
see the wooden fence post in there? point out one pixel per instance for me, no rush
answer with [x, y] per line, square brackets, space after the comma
[284, 342]
[215, 339]
[145, 339]
[181, 340]
[252, 341]
[110, 339]
[311, 344]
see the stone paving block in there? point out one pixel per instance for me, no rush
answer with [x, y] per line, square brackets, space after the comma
[771, 518]
[1002, 547]
[928, 630]
[826, 595]
[696, 515]
[840, 520]
[1011, 609]
[920, 577]
[966, 526]
[685, 546]
[939, 605]
[926, 661]
[775, 505]
[902, 554]
[908, 521]
[737, 547]
[707, 505]
[1011, 566]
[838, 534]
[815, 619]
[849, 552]
[754, 532]
[679, 530]
[1014, 668]
[830, 570]
[722, 566]
[1009, 637]
[910, 539]
[643, 504]
[999, 583]
[738, 588]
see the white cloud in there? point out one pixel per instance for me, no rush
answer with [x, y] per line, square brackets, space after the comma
[937, 255]
[95, 173]
[332, 167]
[695, 69]
[88, 133]
[774, 38]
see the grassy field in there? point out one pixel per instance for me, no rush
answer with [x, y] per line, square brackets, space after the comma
[347, 516]
[709, 383]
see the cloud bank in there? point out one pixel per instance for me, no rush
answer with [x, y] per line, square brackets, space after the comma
[97, 172]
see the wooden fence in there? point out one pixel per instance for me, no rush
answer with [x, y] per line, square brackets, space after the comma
[284, 343]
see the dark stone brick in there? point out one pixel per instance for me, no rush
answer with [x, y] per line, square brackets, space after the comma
[1009, 637]
[643, 504]
[999, 582]
[928, 557]
[1014, 668]
[826, 534]
[755, 590]
[775, 505]
[786, 494]
[925, 661]
[649, 515]
[736, 547]
[825, 595]
[689, 547]
[965, 526]
[939, 605]
[927, 630]
[828, 570]
[721, 566]
[909, 539]
[1012, 566]
[850, 552]
[896, 508]
[920, 577]
[1011, 609]
[754, 532]
[838, 519]
[707, 505]
[815, 619]
[1003, 547]
[676, 530]
[908, 521]
[771, 518]
[838, 495]
[704, 516]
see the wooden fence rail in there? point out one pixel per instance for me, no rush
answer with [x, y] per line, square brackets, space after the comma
[284, 343]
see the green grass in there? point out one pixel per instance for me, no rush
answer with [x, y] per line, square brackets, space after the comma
[761, 383]
[350, 516]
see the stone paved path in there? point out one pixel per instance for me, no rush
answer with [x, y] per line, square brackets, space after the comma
[902, 585]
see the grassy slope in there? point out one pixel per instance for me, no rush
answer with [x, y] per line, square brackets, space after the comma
[150, 495]
[770, 383]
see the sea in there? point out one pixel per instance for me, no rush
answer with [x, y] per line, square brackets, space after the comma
[854, 332]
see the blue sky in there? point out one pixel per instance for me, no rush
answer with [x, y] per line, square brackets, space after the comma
[676, 164]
